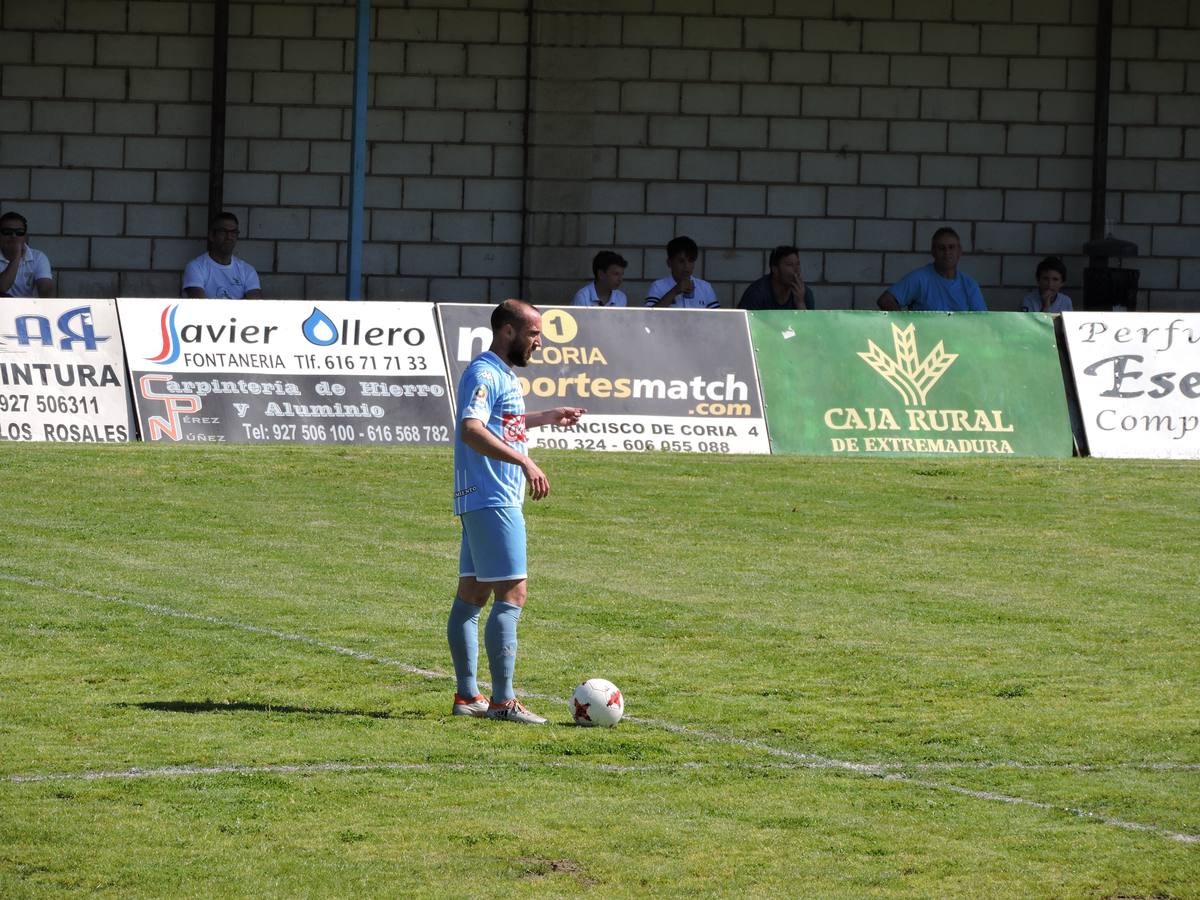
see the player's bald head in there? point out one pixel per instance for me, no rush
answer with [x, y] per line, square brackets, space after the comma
[512, 312]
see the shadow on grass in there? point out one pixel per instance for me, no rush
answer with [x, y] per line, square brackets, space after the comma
[205, 706]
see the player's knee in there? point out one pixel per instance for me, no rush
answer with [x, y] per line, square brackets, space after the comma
[513, 592]
[473, 592]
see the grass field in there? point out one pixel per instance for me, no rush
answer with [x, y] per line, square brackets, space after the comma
[224, 673]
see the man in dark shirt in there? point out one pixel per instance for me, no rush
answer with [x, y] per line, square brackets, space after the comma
[781, 288]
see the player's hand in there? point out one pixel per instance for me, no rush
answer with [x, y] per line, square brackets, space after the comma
[566, 416]
[1048, 296]
[539, 484]
[685, 286]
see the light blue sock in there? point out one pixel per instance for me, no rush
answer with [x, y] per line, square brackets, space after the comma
[500, 639]
[462, 631]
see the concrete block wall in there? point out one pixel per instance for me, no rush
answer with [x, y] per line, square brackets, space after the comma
[104, 122]
[851, 128]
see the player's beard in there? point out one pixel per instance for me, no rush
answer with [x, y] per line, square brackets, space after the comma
[519, 356]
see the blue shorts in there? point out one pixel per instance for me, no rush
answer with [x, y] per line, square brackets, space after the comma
[493, 544]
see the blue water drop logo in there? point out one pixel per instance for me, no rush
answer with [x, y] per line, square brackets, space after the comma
[319, 329]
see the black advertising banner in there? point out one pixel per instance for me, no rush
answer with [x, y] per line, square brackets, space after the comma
[651, 379]
[267, 371]
[62, 372]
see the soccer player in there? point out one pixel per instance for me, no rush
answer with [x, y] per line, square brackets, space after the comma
[491, 468]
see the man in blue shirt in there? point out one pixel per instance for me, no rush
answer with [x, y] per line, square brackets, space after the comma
[939, 286]
[491, 469]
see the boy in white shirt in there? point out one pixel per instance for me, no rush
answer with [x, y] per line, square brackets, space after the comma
[608, 269]
[680, 289]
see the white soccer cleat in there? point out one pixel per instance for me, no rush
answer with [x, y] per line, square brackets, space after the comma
[476, 706]
[514, 711]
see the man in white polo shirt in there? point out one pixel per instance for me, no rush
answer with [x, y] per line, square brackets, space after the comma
[680, 289]
[605, 288]
[218, 274]
[24, 272]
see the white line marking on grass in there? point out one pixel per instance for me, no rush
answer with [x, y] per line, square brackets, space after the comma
[227, 769]
[135, 773]
[346, 767]
[877, 770]
[1182, 838]
[227, 623]
[806, 760]
[1046, 767]
[883, 770]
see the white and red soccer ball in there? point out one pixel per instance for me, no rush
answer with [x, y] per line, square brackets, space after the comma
[597, 702]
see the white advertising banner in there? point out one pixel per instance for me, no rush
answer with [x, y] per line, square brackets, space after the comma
[62, 372]
[1138, 380]
[286, 371]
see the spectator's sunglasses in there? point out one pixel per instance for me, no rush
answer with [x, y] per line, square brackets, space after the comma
[12, 232]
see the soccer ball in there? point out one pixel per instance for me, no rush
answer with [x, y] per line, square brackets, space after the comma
[597, 702]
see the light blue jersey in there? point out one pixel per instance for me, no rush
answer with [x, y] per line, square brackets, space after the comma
[489, 391]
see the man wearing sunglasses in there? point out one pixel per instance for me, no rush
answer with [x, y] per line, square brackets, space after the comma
[24, 272]
[218, 273]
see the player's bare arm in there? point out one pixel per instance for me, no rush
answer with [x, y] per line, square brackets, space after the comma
[475, 435]
[563, 416]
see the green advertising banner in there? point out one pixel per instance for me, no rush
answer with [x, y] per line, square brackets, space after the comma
[859, 383]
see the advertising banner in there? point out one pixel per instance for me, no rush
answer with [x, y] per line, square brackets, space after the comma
[651, 379]
[1137, 376]
[267, 371]
[911, 384]
[62, 372]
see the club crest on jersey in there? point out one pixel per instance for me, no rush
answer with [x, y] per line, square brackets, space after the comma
[514, 429]
[481, 392]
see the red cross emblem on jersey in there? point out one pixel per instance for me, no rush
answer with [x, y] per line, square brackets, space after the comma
[514, 429]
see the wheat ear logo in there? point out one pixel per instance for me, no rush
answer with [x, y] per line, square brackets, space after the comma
[911, 376]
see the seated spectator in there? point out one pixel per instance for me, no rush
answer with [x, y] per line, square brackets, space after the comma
[680, 289]
[939, 286]
[218, 273]
[24, 272]
[608, 271]
[781, 288]
[1051, 276]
